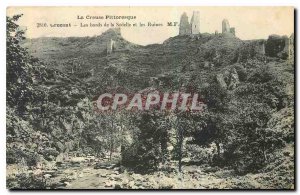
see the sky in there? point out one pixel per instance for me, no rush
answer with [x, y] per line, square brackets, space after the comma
[249, 22]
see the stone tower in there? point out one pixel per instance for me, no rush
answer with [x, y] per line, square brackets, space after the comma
[225, 26]
[195, 23]
[184, 26]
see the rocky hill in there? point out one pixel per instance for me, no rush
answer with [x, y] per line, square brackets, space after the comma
[88, 55]
[83, 49]
[244, 138]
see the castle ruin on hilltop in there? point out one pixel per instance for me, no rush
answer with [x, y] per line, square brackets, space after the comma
[195, 23]
[274, 46]
[193, 27]
[226, 28]
[186, 28]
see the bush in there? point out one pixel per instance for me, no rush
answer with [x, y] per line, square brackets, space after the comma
[49, 153]
[27, 181]
[15, 155]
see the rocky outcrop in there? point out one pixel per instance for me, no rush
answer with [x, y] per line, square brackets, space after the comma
[233, 79]
[228, 80]
[221, 81]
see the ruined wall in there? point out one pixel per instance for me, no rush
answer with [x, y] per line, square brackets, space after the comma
[184, 26]
[195, 23]
[287, 47]
[259, 47]
[280, 46]
[110, 47]
[232, 31]
[292, 45]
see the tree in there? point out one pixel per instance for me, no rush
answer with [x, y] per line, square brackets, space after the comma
[18, 66]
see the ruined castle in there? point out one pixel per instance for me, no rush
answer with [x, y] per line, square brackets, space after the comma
[226, 28]
[186, 28]
[280, 46]
[274, 46]
[193, 27]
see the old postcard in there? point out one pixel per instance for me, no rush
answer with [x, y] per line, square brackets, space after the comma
[150, 98]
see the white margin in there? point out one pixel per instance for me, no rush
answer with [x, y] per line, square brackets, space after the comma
[5, 3]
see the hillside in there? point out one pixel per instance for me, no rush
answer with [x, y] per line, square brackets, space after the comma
[87, 56]
[65, 50]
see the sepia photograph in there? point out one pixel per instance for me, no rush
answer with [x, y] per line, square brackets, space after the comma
[150, 98]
